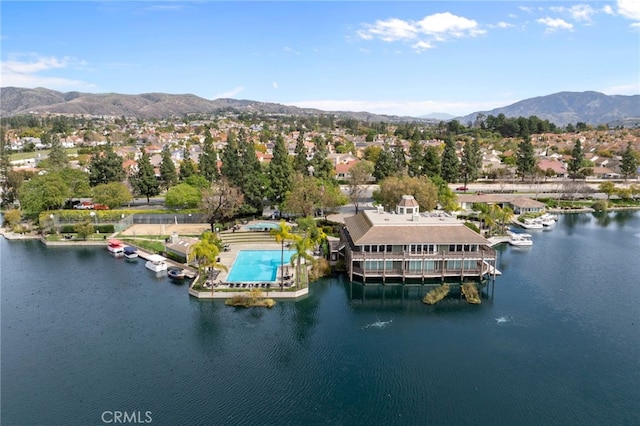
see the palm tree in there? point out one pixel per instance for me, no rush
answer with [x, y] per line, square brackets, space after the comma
[487, 217]
[301, 244]
[505, 214]
[205, 254]
[282, 233]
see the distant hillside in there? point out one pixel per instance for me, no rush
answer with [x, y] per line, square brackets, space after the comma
[560, 108]
[571, 107]
[442, 116]
[15, 101]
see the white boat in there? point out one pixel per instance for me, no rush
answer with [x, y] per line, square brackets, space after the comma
[520, 240]
[548, 219]
[532, 224]
[130, 252]
[156, 263]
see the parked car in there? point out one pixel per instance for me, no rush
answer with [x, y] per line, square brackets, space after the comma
[71, 204]
[100, 207]
[85, 205]
[462, 188]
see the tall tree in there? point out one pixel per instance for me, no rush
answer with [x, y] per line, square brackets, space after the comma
[384, 165]
[280, 171]
[144, 182]
[183, 196]
[399, 159]
[450, 166]
[105, 166]
[305, 195]
[301, 244]
[575, 162]
[5, 168]
[469, 169]
[629, 164]
[168, 175]
[221, 202]
[252, 183]
[58, 158]
[208, 161]
[231, 167]
[525, 159]
[112, 194]
[431, 163]
[205, 252]
[322, 166]
[416, 162]
[187, 167]
[282, 233]
[359, 175]
[43, 192]
[77, 181]
[393, 188]
[300, 162]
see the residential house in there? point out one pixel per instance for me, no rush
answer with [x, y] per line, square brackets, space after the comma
[521, 205]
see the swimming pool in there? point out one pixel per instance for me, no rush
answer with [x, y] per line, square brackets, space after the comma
[257, 265]
[264, 226]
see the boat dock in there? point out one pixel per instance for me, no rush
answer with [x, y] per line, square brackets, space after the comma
[188, 271]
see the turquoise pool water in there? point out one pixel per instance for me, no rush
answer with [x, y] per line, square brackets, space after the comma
[263, 226]
[257, 265]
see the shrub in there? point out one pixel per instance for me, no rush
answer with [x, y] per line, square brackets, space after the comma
[600, 206]
[472, 226]
[12, 218]
[320, 268]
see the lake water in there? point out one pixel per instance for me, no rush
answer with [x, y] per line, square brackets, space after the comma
[85, 335]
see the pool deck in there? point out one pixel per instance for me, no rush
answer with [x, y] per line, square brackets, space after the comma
[228, 258]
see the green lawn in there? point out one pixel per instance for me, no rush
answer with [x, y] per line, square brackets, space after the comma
[43, 153]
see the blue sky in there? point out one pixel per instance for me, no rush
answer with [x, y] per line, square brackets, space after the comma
[404, 58]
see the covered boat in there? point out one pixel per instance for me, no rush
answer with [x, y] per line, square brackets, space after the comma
[115, 246]
[130, 252]
[156, 263]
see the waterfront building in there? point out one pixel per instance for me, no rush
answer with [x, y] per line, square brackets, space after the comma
[406, 244]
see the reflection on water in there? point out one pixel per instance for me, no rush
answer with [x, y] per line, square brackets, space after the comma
[83, 332]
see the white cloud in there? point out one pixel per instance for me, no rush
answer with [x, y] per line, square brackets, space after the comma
[32, 72]
[390, 30]
[422, 46]
[403, 108]
[579, 12]
[623, 89]
[287, 49]
[503, 24]
[230, 93]
[444, 24]
[275, 84]
[436, 27]
[554, 24]
[582, 12]
[629, 9]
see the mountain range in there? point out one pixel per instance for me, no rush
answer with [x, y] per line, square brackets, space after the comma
[560, 108]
